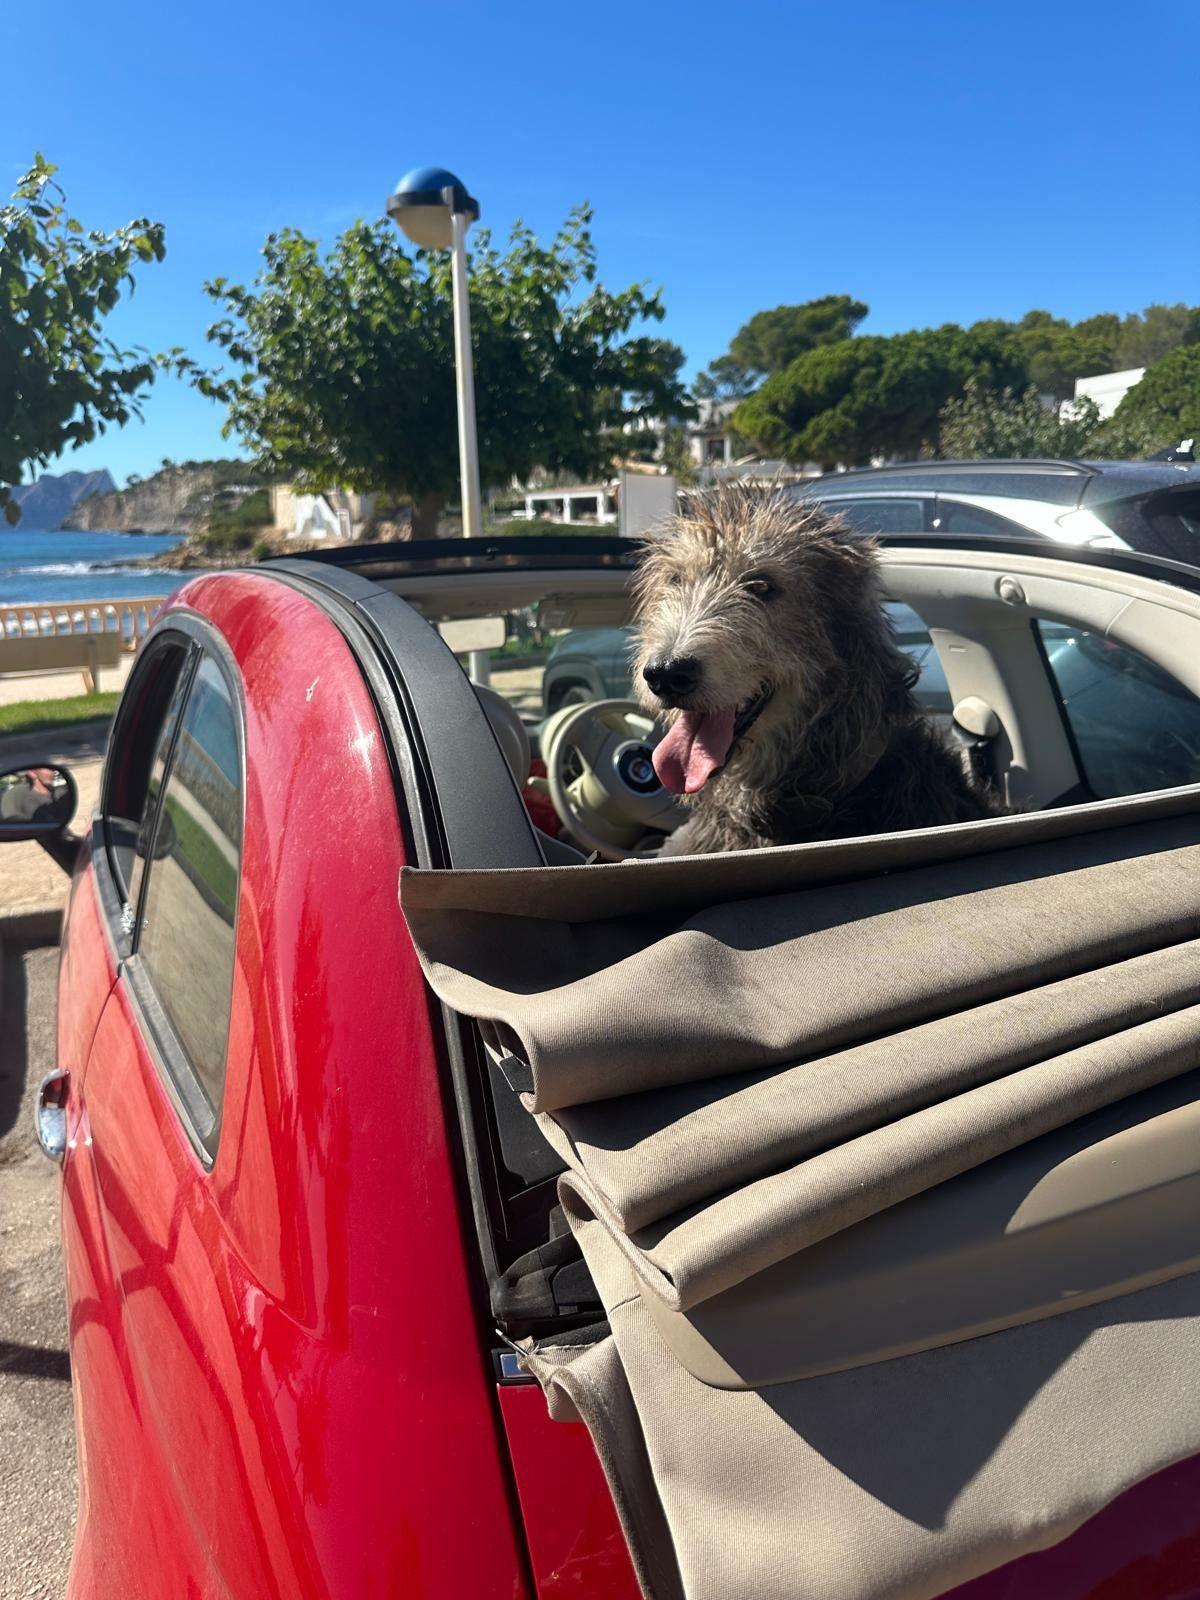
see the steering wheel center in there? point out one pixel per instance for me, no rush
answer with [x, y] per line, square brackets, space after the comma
[635, 768]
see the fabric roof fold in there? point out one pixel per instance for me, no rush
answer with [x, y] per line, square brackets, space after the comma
[743, 1057]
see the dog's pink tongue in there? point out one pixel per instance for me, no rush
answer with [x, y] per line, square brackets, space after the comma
[694, 749]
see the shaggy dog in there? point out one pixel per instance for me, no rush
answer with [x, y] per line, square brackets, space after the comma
[792, 717]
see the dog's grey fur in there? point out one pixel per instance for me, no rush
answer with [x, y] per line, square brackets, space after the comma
[842, 747]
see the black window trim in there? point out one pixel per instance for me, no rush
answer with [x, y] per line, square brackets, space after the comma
[165, 1047]
[157, 643]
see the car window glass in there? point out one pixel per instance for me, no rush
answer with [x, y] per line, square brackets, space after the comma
[186, 934]
[955, 517]
[881, 516]
[145, 728]
[1135, 728]
[1163, 524]
[931, 690]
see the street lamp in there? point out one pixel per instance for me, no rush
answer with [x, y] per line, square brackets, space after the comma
[433, 209]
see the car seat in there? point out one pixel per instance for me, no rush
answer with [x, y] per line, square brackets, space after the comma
[513, 738]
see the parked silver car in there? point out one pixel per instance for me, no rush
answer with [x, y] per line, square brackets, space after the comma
[1149, 506]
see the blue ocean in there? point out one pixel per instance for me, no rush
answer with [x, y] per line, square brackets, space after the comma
[81, 566]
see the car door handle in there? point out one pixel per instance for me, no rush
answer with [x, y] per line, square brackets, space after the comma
[50, 1115]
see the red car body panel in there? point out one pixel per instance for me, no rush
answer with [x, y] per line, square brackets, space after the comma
[282, 1385]
[282, 1379]
[575, 1542]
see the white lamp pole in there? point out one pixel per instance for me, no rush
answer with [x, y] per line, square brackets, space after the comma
[468, 439]
[434, 210]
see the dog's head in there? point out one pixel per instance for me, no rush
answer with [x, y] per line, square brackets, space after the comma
[750, 613]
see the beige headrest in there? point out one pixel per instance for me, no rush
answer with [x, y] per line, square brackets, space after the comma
[510, 731]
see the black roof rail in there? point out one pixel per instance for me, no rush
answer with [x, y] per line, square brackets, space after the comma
[973, 464]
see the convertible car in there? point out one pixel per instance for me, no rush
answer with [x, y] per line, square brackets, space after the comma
[460, 1207]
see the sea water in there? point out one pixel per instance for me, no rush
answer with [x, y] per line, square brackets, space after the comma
[81, 566]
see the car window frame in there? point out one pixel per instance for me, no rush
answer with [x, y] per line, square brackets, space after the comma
[167, 641]
[163, 1044]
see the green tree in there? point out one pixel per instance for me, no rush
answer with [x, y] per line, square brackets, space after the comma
[772, 340]
[1146, 337]
[1166, 403]
[61, 382]
[847, 402]
[1004, 423]
[1056, 352]
[347, 370]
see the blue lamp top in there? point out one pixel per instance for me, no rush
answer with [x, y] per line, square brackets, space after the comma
[425, 186]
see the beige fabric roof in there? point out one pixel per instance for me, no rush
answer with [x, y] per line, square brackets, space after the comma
[740, 1057]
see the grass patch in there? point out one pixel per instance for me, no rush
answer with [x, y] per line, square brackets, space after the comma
[32, 716]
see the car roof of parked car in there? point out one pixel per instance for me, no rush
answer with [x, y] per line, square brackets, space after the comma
[1061, 481]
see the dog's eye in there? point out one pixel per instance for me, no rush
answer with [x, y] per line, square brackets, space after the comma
[762, 588]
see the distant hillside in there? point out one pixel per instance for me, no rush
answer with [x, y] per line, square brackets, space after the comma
[176, 499]
[48, 502]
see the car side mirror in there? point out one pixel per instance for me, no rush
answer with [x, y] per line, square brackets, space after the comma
[36, 803]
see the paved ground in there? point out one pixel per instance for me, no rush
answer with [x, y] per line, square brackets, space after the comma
[37, 1441]
[522, 687]
[59, 685]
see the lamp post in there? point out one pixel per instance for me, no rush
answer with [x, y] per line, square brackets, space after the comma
[433, 209]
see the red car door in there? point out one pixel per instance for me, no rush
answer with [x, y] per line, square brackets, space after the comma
[280, 1385]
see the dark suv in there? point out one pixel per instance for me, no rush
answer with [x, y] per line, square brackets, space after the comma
[1150, 506]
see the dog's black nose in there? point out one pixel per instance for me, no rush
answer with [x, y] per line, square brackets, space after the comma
[672, 679]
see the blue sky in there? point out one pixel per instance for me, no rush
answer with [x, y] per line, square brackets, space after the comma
[943, 161]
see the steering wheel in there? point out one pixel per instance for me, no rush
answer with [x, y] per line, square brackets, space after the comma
[601, 778]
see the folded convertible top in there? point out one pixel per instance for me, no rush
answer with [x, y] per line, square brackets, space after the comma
[883, 1154]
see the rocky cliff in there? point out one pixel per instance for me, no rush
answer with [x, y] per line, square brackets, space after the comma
[176, 499]
[47, 503]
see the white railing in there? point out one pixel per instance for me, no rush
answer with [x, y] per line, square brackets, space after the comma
[44, 619]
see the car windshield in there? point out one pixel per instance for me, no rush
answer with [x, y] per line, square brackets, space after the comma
[542, 666]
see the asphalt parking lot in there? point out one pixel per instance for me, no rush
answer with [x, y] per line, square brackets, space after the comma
[37, 1442]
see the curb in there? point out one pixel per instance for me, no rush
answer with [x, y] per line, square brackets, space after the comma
[38, 924]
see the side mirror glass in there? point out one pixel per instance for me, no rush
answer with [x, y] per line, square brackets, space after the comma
[36, 802]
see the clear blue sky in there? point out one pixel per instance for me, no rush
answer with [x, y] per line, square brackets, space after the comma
[943, 161]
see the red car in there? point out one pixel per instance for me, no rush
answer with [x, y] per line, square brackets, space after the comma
[299, 1199]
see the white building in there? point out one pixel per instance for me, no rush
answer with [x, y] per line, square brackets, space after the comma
[337, 514]
[577, 502]
[1108, 389]
[710, 443]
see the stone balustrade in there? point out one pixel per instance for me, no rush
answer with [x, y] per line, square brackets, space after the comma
[129, 619]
